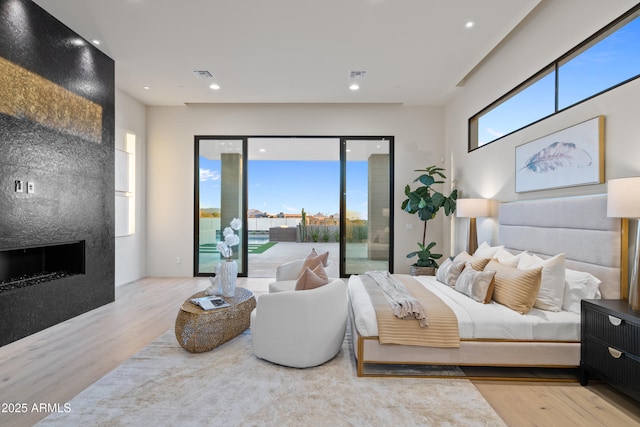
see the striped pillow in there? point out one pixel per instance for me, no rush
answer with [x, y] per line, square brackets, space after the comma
[477, 263]
[517, 289]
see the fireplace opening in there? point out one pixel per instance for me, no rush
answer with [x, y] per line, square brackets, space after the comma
[21, 267]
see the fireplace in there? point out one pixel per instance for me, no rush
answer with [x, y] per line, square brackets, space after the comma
[57, 245]
[22, 267]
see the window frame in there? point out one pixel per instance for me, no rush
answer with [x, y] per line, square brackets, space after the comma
[609, 29]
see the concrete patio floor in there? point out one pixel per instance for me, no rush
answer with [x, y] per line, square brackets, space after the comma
[264, 264]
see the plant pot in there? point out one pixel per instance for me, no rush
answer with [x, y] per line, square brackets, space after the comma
[422, 271]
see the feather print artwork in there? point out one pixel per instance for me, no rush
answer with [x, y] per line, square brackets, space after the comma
[558, 155]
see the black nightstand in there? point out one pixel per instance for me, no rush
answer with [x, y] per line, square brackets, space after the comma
[610, 349]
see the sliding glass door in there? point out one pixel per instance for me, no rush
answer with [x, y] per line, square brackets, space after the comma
[219, 198]
[288, 177]
[366, 214]
[342, 187]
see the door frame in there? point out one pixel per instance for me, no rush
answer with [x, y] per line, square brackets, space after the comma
[244, 255]
[245, 138]
[343, 197]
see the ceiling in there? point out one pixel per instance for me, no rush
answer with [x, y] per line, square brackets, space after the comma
[414, 52]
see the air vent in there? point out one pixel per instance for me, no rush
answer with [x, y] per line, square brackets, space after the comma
[203, 74]
[355, 74]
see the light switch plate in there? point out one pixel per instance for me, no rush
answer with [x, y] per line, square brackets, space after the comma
[31, 187]
[19, 186]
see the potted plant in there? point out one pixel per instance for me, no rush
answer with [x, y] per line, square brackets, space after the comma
[425, 201]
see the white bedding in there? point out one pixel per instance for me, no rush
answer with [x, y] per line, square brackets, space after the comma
[476, 320]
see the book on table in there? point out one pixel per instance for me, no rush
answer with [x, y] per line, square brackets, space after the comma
[210, 302]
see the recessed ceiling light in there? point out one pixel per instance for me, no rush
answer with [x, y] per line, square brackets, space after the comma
[262, 150]
[214, 86]
[469, 24]
[96, 42]
[147, 88]
[354, 87]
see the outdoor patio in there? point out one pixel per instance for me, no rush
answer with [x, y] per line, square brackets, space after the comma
[264, 264]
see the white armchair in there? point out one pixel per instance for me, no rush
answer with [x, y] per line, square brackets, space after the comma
[287, 275]
[300, 328]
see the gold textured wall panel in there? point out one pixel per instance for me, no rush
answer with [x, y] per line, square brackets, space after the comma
[27, 95]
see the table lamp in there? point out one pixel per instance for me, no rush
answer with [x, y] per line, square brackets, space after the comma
[472, 209]
[623, 201]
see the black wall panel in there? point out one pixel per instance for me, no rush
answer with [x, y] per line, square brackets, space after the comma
[57, 131]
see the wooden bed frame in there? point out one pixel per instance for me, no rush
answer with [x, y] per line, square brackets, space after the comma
[576, 226]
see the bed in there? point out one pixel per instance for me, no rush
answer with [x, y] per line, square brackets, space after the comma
[575, 226]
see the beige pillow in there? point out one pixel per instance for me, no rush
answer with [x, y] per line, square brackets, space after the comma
[325, 256]
[476, 284]
[477, 263]
[517, 289]
[449, 271]
[551, 292]
[311, 279]
[321, 273]
[312, 261]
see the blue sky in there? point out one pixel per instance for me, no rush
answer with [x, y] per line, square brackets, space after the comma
[605, 64]
[288, 186]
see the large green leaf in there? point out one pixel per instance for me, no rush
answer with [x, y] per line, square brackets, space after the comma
[425, 180]
[438, 199]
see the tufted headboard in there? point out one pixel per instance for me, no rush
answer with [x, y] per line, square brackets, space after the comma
[576, 226]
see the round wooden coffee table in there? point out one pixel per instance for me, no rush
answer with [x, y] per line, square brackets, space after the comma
[199, 330]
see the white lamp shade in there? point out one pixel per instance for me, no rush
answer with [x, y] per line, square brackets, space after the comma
[623, 198]
[473, 208]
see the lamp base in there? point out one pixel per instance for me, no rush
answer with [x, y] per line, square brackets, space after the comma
[472, 246]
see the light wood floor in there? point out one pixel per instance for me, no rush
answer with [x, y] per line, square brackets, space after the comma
[56, 364]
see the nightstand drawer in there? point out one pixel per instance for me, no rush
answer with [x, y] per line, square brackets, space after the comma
[611, 362]
[616, 332]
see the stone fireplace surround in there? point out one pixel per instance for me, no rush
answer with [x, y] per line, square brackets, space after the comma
[71, 209]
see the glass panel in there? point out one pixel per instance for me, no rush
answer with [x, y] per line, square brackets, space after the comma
[220, 200]
[285, 177]
[601, 66]
[367, 211]
[525, 107]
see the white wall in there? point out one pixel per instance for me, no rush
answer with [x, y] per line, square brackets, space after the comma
[130, 117]
[554, 29]
[419, 142]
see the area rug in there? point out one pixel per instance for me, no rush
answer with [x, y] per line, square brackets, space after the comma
[163, 385]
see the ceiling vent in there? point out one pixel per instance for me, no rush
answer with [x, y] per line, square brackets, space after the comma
[357, 74]
[203, 74]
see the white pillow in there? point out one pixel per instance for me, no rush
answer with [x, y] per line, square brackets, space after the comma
[486, 251]
[578, 286]
[551, 294]
[507, 258]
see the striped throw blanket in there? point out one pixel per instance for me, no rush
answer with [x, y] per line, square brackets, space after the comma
[442, 326]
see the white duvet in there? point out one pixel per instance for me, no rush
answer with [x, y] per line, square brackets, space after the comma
[476, 320]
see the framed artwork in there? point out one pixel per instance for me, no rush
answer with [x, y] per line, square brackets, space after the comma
[569, 157]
